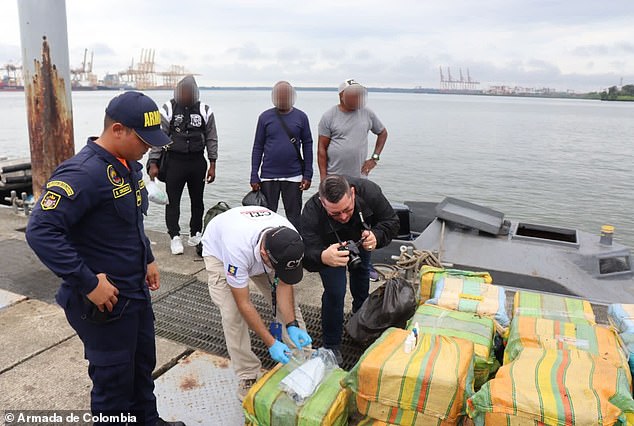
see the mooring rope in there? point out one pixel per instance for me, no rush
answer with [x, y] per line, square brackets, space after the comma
[407, 261]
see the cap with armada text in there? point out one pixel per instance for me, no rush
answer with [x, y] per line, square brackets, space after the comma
[285, 249]
[141, 114]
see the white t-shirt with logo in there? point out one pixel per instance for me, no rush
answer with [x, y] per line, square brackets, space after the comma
[234, 238]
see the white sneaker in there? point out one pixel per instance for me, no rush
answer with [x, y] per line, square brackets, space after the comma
[193, 241]
[177, 245]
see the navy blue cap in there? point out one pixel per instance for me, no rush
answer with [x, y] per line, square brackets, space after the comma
[139, 113]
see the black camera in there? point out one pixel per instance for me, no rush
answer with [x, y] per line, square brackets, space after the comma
[354, 258]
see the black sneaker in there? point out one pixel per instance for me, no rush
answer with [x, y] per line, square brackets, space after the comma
[161, 422]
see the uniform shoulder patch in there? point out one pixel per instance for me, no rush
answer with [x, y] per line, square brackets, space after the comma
[62, 185]
[114, 177]
[232, 270]
[50, 200]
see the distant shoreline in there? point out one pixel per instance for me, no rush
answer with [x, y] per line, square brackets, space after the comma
[427, 91]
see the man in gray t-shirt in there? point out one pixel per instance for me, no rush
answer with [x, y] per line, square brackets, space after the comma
[343, 135]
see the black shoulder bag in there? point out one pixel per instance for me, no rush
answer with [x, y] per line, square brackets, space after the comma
[293, 140]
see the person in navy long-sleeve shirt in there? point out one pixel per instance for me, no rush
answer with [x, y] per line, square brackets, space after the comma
[87, 227]
[282, 156]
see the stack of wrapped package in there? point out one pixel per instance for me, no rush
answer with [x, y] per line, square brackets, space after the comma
[305, 394]
[532, 332]
[477, 329]
[465, 304]
[430, 275]
[621, 317]
[466, 295]
[560, 368]
[425, 383]
[550, 306]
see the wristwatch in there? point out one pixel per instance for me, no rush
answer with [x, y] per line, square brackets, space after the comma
[376, 157]
[293, 323]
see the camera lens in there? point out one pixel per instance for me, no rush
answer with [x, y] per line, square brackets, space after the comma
[354, 261]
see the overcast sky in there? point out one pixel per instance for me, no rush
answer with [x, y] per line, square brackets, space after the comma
[573, 44]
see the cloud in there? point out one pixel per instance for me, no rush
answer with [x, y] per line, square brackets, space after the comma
[626, 47]
[591, 50]
[9, 53]
[102, 49]
[619, 48]
[248, 51]
[289, 54]
[171, 56]
[400, 43]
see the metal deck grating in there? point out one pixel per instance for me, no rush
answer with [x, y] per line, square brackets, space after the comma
[188, 316]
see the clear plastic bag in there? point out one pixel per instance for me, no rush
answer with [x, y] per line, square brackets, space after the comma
[309, 373]
[156, 194]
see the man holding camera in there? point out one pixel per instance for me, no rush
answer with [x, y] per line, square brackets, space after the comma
[346, 220]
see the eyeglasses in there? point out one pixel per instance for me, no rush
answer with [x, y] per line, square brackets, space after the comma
[346, 211]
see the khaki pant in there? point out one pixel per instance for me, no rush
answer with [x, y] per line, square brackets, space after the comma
[245, 363]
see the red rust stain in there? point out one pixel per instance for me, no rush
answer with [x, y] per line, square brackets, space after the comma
[222, 363]
[50, 120]
[189, 383]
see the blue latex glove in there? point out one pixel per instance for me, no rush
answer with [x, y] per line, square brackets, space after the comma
[279, 352]
[298, 336]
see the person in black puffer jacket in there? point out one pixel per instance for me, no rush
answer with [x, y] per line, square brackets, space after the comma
[191, 126]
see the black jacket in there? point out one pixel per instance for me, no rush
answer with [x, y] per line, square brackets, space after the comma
[318, 229]
[191, 129]
[187, 128]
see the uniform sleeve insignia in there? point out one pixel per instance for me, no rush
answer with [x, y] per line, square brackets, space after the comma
[141, 184]
[50, 200]
[232, 270]
[63, 185]
[113, 176]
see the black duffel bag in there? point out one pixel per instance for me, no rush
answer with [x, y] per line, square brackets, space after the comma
[214, 211]
[254, 198]
[390, 305]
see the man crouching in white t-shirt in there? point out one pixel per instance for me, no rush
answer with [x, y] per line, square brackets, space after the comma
[254, 244]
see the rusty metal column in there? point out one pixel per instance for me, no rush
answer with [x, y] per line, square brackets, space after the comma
[47, 85]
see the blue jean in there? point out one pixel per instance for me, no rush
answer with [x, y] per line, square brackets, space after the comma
[332, 300]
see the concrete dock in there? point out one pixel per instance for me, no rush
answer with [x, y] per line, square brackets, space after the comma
[42, 365]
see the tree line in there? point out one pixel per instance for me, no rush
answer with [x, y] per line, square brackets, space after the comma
[626, 93]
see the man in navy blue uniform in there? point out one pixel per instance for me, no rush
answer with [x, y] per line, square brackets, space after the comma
[87, 227]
